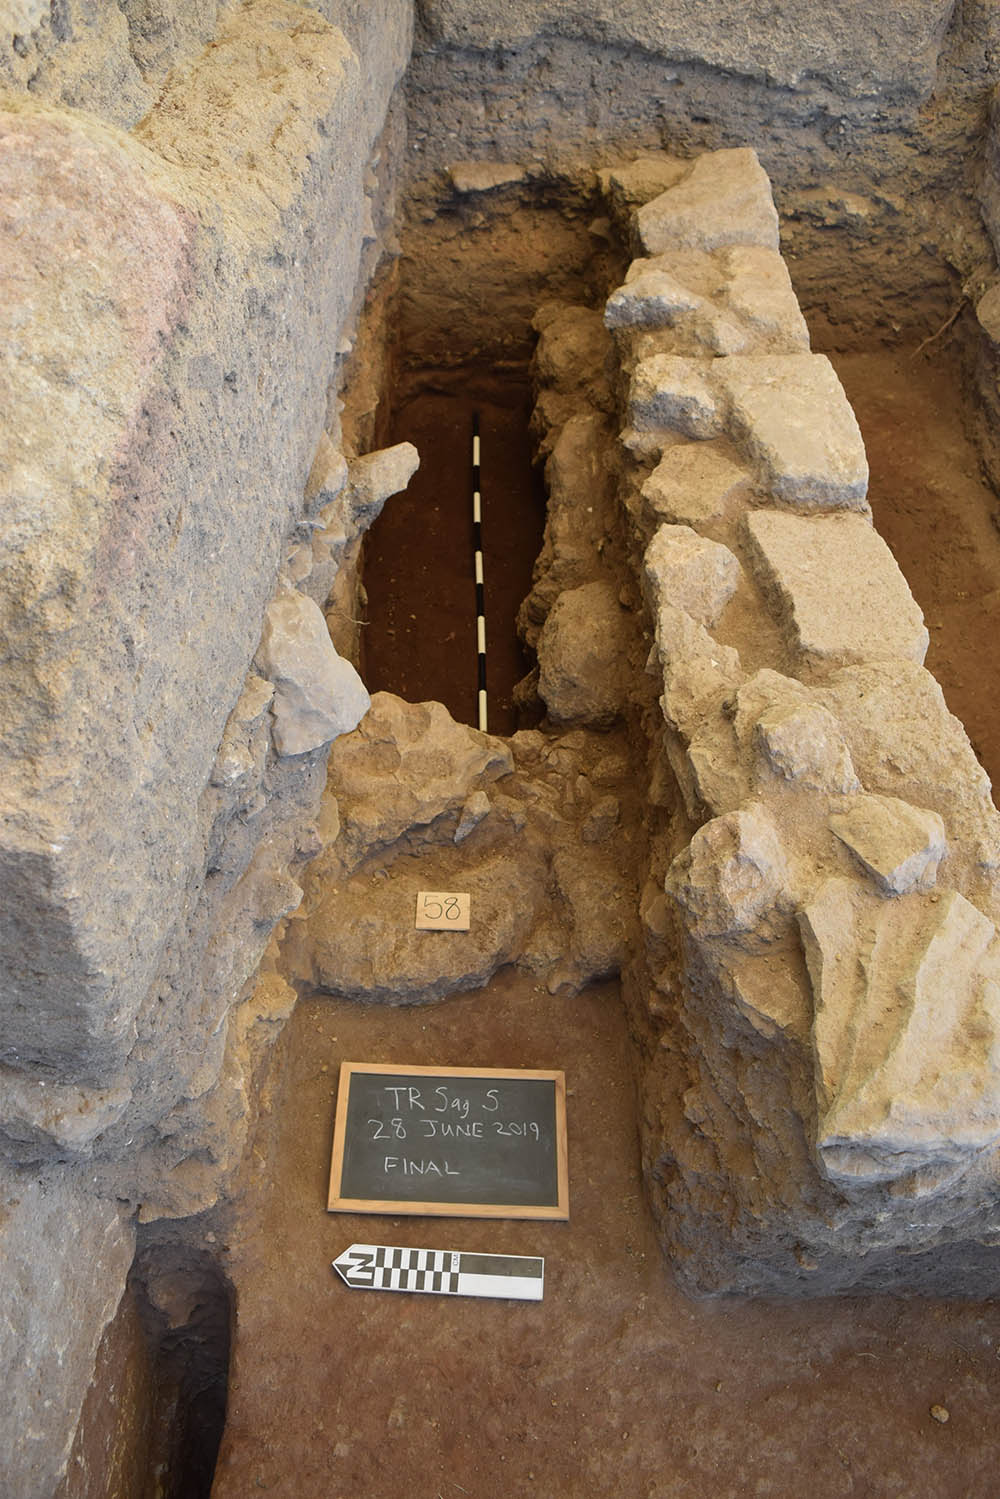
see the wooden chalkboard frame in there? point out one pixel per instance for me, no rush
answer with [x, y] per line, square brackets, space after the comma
[337, 1203]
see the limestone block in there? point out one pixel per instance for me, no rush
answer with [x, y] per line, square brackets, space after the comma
[583, 656]
[578, 519]
[758, 289]
[241, 755]
[373, 477]
[906, 1032]
[695, 483]
[668, 391]
[733, 881]
[899, 845]
[164, 290]
[649, 299]
[65, 1255]
[792, 417]
[405, 769]
[485, 176]
[689, 572]
[327, 477]
[905, 743]
[698, 672]
[803, 742]
[317, 694]
[724, 200]
[835, 587]
[635, 182]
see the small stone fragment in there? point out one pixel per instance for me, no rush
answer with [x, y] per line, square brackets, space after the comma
[725, 199]
[317, 694]
[476, 808]
[837, 590]
[899, 845]
[733, 880]
[940, 1413]
[601, 820]
[672, 392]
[690, 572]
[638, 181]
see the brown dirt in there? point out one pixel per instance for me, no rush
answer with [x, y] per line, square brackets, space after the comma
[616, 1385]
[421, 642]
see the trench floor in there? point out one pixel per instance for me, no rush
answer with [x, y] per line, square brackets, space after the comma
[616, 1385]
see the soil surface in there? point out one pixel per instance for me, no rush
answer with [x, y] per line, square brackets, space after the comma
[616, 1385]
[419, 571]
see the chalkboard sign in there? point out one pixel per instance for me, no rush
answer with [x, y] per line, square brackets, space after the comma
[450, 1141]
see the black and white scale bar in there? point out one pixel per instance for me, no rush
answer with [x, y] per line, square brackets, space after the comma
[477, 542]
[448, 1272]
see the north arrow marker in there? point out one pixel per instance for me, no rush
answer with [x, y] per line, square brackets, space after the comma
[444, 1272]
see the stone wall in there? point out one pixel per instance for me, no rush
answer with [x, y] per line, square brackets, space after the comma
[817, 979]
[194, 198]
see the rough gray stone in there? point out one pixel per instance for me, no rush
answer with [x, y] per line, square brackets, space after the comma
[672, 393]
[792, 417]
[733, 881]
[583, 656]
[725, 199]
[803, 742]
[695, 483]
[836, 588]
[689, 572]
[650, 299]
[899, 845]
[65, 1255]
[317, 695]
[407, 766]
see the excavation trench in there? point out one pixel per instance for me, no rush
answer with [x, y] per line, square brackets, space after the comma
[393, 1396]
[617, 1385]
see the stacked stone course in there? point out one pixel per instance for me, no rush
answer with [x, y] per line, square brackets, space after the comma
[820, 1090]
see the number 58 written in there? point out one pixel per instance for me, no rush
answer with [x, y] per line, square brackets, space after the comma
[443, 910]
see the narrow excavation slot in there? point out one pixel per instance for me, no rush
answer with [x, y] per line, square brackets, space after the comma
[420, 641]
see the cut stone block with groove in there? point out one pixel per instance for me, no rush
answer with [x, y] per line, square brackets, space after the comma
[836, 589]
[907, 1032]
